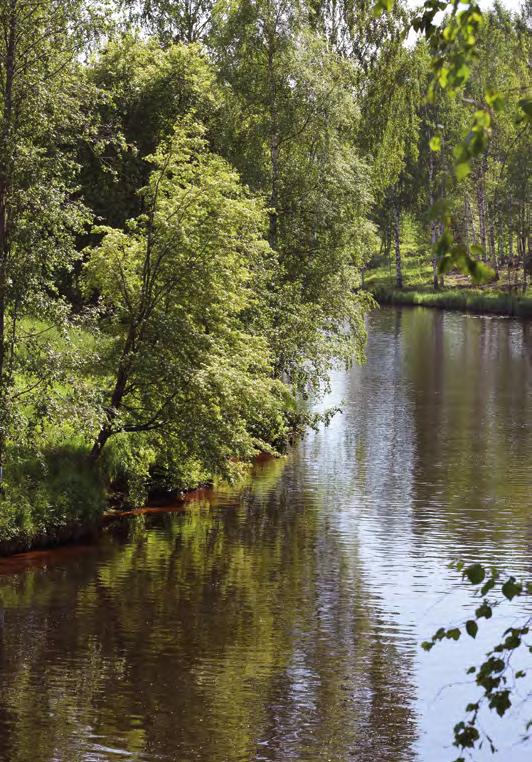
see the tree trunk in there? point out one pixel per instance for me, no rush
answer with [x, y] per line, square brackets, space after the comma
[433, 235]
[122, 377]
[523, 244]
[470, 223]
[493, 252]
[481, 203]
[274, 147]
[274, 197]
[397, 245]
[388, 249]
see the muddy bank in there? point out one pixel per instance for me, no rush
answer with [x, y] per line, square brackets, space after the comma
[76, 534]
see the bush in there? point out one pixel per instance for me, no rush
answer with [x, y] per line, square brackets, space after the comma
[50, 495]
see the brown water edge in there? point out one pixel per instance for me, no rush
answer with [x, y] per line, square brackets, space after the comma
[65, 542]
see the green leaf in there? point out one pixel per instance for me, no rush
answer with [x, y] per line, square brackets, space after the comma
[475, 573]
[383, 6]
[482, 119]
[444, 243]
[439, 209]
[500, 701]
[525, 104]
[465, 735]
[462, 170]
[511, 588]
[494, 100]
[454, 633]
[484, 611]
[471, 628]
[427, 645]
[443, 77]
[435, 143]
[513, 641]
[480, 271]
[461, 153]
[487, 586]
[446, 264]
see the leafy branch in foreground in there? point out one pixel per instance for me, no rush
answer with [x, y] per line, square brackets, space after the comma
[454, 48]
[495, 676]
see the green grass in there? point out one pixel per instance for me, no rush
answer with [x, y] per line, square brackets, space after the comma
[52, 497]
[458, 293]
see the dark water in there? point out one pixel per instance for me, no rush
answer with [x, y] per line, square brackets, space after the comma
[283, 622]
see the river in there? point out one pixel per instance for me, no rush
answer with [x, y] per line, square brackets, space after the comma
[282, 620]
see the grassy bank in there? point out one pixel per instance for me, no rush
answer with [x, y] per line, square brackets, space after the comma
[503, 297]
[60, 497]
[54, 498]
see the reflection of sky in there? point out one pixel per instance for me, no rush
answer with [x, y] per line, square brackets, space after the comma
[402, 519]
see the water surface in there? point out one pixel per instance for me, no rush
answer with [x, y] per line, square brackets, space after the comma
[282, 621]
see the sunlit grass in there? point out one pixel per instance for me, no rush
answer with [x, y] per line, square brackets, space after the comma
[504, 296]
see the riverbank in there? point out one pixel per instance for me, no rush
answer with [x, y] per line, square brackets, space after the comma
[80, 523]
[89, 529]
[502, 297]
[464, 299]
[55, 530]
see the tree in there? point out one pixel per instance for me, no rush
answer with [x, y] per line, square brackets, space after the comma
[143, 90]
[41, 121]
[357, 32]
[187, 21]
[289, 128]
[183, 371]
[390, 134]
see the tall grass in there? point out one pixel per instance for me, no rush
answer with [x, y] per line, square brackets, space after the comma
[49, 498]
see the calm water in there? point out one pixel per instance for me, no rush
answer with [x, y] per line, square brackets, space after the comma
[283, 622]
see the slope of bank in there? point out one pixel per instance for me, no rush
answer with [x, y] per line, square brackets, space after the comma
[467, 299]
[504, 297]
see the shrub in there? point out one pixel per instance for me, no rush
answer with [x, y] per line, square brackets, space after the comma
[49, 494]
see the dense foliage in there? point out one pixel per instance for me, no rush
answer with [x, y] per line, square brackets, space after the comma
[466, 130]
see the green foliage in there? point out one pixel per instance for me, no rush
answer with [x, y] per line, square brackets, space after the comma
[289, 128]
[240, 162]
[174, 288]
[494, 676]
[469, 51]
[172, 21]
[49, 496]
[126, 464]
[143, 89]
[42, 121]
